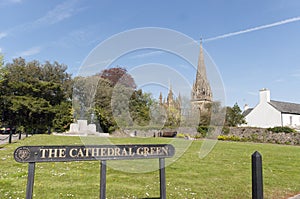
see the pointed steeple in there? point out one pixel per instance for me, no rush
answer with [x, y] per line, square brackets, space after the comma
[179, 97]
[170, 96]
[160, 99]
[201, 88]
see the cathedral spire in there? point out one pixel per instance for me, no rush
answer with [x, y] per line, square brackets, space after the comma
[201, 68]
[170, 96]
[160, 99]
[201, 88]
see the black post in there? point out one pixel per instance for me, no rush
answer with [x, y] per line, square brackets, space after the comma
[103, 179]
[26, 133]
[10, 136]
[257, 176]
[162, 178]
[30, 180]
[20, 135]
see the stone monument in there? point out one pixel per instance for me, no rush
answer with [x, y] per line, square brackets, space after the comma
[82, 128]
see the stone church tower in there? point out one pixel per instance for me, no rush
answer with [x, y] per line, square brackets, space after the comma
[171, 102]
[201, 93]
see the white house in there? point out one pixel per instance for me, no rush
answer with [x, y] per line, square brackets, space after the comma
[270, 113]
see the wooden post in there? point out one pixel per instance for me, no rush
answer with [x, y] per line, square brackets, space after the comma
[162, 178]
[257, 176]
[30, 180]
[103, 179]
[10, 136]
[20, 135]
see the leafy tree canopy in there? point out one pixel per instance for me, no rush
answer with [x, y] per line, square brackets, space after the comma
[117, 102]
[234, 116]
[32, 92]
[118, 75]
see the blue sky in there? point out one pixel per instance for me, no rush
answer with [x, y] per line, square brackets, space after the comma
[254, 44]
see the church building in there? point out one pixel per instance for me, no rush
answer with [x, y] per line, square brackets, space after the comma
[171, 102]
[201, 95]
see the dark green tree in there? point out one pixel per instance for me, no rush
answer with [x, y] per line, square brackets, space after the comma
[103, 109]
[31, 93]
[63, 116]
[139, 107]
[234, 116]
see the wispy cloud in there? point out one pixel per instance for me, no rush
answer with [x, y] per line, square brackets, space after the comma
[254, 29]
[30, 52]
[15, 1]
[0, 50]
[2, 35]
[61, 12]
[78, 37]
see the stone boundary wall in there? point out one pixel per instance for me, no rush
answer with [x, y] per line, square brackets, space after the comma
[247, 134]
[264, 136]
[152, 132]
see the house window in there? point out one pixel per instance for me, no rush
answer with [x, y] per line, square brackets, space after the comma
[291, 120]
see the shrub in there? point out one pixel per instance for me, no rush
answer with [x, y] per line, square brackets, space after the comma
[199, 135]
[229, 138]
[254, 138]
[180, 135]
[203, 130]
[225, 130]
[281, 129]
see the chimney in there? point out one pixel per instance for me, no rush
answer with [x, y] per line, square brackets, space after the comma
[246, 107]
[264, 95]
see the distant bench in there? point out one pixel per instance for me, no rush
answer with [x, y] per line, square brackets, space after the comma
[169, 134]
[33, 154]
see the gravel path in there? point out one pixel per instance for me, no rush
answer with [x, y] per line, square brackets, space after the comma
[295, 197]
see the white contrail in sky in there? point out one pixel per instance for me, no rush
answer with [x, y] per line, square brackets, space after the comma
[254, 29]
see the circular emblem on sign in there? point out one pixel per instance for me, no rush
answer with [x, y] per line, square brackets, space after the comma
[22, 154]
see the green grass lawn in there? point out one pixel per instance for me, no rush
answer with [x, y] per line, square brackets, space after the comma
[224, 173]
